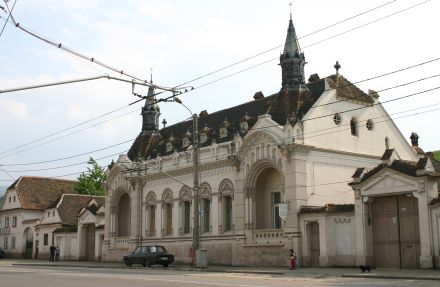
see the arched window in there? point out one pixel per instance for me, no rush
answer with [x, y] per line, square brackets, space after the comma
[167, 211]
[353, 127]
[205, 205]
[124, 215]
[226, 190]
[185, 210]
[150, 211]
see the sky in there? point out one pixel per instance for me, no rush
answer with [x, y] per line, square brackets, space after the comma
[182, 40]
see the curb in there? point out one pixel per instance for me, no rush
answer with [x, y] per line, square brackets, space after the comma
[390, 277]
[262, 272]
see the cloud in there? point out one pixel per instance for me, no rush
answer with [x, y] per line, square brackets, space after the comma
[14, 109]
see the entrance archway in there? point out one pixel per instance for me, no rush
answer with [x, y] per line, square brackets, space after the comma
[265, 191]
[124, 215]
[28, 243]
[268, 195]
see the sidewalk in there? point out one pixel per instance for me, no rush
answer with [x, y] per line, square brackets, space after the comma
[413, 274]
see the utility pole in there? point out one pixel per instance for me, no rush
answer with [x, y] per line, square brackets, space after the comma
[196, 234]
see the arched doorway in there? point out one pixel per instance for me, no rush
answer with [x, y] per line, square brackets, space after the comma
[90, 242]
[124, 216]
[268, 196]
[28, 242]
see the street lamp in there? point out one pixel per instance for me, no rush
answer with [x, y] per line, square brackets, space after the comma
[196, 234]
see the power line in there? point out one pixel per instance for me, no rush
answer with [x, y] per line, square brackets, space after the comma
[79, 55]
[402, 97]
[66, 135]
[326, 39]
[70, 157]
[7, 18]
[63, 166]
[339, 129]
[236, 74]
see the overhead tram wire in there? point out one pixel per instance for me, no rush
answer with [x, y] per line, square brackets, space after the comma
[326, 39]
[84, 57]
[180, 92]
[63, 166]
[277, 141]
[7, 19]
[331, 130]
[403, 97]
[282, 45]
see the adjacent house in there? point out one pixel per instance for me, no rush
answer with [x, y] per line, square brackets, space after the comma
[59, 226]
[25, 202]
[274, 174]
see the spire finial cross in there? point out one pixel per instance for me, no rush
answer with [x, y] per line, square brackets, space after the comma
[151, 75]
[290, 10]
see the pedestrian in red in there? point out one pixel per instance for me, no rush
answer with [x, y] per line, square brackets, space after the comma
[292, 259]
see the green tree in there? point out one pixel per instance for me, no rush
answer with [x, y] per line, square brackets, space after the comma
[90, 182]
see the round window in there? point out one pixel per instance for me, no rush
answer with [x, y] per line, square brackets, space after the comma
[337, 119]
[370, 125]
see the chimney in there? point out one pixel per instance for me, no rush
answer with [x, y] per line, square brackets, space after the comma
[414, 139]
[258, 96]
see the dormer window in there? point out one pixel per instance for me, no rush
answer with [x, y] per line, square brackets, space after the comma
[169, 146]
[224, 129]
[223, 132]
[203, 137]
[185, 139]
[244, 125]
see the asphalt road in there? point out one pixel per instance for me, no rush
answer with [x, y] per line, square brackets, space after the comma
[18, 276]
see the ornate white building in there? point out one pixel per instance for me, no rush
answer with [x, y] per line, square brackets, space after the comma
[297, 148]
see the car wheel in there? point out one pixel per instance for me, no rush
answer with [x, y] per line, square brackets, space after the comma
[165, 265]
[147, 263]
[127, 263]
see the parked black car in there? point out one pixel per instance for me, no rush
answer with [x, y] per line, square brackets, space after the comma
[2, 253]
[149, 255]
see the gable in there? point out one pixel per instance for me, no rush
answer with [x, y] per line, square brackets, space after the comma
[10, 200]
[388, 182]
[87, 217]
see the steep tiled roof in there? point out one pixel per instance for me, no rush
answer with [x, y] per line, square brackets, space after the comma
[41, 192]
[282, 106]
[328, 208]
[405, 167]
[70, 204]
[346, 90]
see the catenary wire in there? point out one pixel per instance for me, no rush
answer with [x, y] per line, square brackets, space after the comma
[400, 85]
[7, 18]
[276, 58]
[340, 129]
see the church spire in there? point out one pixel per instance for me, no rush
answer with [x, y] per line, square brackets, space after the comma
[150, 113]
[292, 62]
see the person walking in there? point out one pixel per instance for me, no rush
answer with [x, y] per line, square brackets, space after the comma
[292, 259]
[57, 254]
[52, 250]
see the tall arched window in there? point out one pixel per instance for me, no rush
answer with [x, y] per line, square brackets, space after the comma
[205, 192]
[353, 127]
[167, 211]
[226, 189]
[150, 211]
[185, 198]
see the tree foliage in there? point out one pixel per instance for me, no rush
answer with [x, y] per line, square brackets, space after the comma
[437, 155]
[90, 182]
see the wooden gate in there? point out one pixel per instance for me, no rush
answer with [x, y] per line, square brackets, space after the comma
[314, 250]
[90, 242]
[396, 236]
